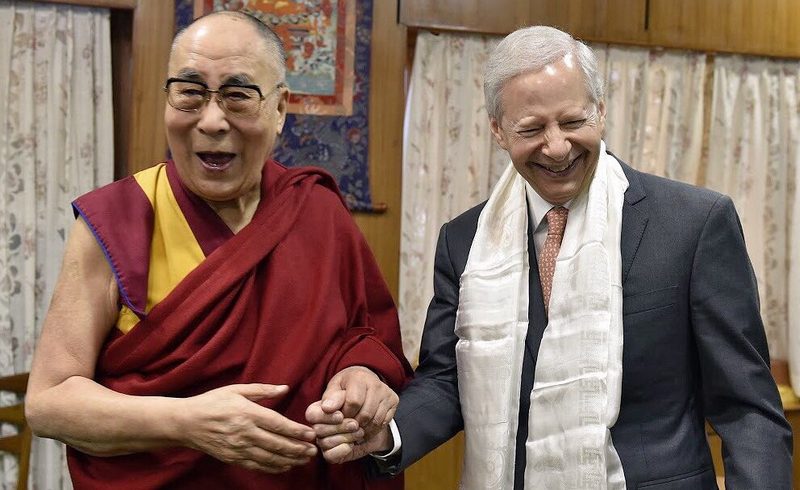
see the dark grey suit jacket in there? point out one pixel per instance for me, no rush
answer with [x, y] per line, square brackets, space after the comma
[694, 348]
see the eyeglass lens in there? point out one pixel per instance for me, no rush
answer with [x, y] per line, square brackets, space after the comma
[189, 96]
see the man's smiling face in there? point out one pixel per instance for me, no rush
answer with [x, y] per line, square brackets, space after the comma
[551, 129]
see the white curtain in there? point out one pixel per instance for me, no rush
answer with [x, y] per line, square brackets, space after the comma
[753, 156]
[450, 161]
[654, 108]
[660, 105]
[56, 143]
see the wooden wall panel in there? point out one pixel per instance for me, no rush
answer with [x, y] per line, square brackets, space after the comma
[758, 27]
[594, 20]
[121, 49]
[496, 16]
[386, 106]
[439, 470]
[153, 28]
[768, 27]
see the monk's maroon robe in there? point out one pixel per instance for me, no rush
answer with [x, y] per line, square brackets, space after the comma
[293, 298]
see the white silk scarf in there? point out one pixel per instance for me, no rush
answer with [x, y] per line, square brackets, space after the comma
[578, 379]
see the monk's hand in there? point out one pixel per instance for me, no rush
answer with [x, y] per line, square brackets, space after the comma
[341, 447]
[359, 394]
[332, 430]
[229, 425]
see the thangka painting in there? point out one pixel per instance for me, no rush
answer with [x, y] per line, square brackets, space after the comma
[328, 59]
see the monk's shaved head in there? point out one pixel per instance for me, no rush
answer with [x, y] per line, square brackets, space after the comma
[273, 46]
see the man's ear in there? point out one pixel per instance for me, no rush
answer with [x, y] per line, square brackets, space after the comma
[601, 115]
[498, 133]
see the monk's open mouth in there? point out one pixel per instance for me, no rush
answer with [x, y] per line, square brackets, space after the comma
[216, 160]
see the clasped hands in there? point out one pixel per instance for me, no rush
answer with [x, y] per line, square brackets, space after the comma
[352, 418]
[348, 422]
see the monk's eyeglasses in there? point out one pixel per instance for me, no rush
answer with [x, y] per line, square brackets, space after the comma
[234, 99]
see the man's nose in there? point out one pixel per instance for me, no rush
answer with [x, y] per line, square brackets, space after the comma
[556, 146]
[213, 119]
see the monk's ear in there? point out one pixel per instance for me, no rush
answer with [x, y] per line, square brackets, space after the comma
[498, 133]
[282, 108]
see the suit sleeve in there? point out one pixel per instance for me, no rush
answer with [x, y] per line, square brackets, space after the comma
[739, 395]
[429, 412]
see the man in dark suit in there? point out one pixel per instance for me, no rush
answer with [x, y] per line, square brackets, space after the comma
[660, 329]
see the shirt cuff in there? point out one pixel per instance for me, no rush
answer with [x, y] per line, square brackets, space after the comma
[397, 443]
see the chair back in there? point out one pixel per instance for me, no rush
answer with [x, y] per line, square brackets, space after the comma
[19, 444]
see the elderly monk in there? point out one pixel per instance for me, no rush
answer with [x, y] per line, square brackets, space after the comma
[205, 303]
[588, 318]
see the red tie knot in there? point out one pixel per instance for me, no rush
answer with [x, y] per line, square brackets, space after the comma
[556, 220]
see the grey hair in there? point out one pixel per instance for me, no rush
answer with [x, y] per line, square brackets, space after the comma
[531, 49]
[272, 42]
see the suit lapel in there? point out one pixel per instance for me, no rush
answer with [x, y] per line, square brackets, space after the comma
[634, 219]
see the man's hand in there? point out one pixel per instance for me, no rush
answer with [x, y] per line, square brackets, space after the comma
[340, 448]
[351, 420]
[359, 394]
[227, 424]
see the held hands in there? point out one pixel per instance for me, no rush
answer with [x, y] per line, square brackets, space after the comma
[227, 424]
[351, 420]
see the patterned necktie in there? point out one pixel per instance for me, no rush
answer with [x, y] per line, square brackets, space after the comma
[556, 222]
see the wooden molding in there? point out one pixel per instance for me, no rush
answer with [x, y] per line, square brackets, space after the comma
[751, 27]
[109, 4]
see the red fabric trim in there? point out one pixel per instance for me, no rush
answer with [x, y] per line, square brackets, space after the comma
[121, 219]
[290, 299]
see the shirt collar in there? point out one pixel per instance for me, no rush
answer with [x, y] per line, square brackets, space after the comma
[538, 207]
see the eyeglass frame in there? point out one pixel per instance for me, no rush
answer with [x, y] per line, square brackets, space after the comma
[209, 93]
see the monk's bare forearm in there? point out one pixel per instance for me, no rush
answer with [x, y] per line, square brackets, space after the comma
[227, 423]
[99, 421]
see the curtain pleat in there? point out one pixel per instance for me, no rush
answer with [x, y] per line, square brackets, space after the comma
[753, 157]
[450, 162]
[56, 143]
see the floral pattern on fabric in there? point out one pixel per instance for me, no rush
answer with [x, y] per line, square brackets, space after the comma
[57, 143]
[754, 158]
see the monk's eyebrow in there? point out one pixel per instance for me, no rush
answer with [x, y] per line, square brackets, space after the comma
[191, 75]
[238, 79]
